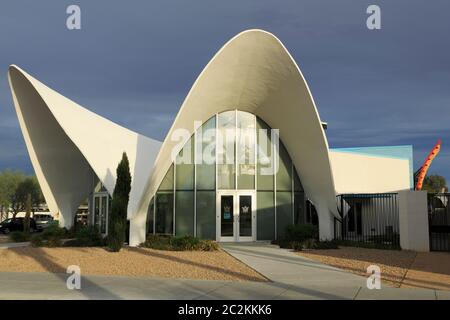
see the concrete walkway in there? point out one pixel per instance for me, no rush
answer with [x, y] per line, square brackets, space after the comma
[7, 245]
[303, 275]
[293, 277]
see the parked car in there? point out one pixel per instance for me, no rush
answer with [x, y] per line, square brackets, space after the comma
[16, 224]
[43, 220]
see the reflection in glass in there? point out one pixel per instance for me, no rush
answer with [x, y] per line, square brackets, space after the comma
[97, 212]
[103, 215]
[226, 150]
[265, 158]
[245, 150]
[206, 155]
[185, 167]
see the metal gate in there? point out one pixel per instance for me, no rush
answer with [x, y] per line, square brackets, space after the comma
[439, 221]
[372, 219]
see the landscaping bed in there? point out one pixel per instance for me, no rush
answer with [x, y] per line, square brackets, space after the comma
[138, 262]
[398, 268]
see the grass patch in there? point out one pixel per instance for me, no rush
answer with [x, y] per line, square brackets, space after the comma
[19, 236]
[180, 243]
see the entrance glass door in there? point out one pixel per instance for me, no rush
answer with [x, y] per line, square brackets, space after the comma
[236, 216]
[101, 209]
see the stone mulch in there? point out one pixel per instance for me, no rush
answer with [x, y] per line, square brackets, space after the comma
[398, 268]
[139, 262]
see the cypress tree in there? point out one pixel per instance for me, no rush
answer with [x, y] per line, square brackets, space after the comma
[118, 215]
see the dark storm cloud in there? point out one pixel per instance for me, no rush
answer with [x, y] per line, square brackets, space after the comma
[134, 62]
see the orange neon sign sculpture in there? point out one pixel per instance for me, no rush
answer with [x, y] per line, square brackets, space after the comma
[427, 163]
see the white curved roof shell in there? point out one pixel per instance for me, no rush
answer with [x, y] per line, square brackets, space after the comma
[254, 72]
[68, 144]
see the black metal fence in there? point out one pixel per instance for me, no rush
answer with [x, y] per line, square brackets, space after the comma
[439, 221]
[368, 218]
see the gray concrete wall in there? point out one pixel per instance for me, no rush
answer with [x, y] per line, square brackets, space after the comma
[413, 216]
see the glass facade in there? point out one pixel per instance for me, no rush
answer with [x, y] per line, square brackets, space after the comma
[233, 150]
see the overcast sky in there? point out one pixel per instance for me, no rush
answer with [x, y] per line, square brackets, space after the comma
[133, 62]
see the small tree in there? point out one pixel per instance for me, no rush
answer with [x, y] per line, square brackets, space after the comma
[26, 225]
[28, 186]
[118, 216]
[9, 181]
[435, 183]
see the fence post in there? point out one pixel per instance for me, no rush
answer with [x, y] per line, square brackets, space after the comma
[413, 219]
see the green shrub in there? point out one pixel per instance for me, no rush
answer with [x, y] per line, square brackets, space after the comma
[301, 232]
[309, 244]
[296, 245]
[53, 242]
[86, 236]
[208, 245]
[328, 244]
[37, 240]
[179, 243]
[185, 243]
[53, 232]
[157, 242]
[313, 244]
[19, 236]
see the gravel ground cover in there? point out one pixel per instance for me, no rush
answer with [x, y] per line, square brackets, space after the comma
[398, 268]
[139, 262]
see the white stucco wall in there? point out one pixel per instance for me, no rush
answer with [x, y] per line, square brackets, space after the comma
[360, 173]
[413, 218]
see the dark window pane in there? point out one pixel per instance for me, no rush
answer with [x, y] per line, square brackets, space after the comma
[245, 216]
[299, 208]
[297, 183]
[265, 215]
[227, 216]
[184, 213]
[284, 174]
[164, 213]
[284, 212]
[150, 216]
[206, 214]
